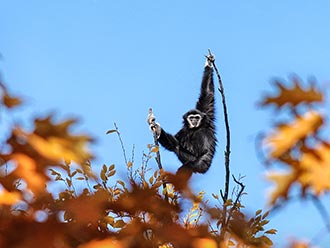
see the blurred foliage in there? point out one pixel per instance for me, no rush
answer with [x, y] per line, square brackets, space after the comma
[97, 210]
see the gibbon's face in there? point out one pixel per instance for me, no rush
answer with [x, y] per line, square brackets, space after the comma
[194, 120]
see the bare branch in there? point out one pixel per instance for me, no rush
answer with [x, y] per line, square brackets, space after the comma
[227, 151]
[224, 194]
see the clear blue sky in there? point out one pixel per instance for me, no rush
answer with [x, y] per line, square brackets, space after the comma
[109, 61]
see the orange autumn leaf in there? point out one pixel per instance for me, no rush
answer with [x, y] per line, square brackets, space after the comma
[283, 182]
[293, 96]
[299, 244]
[11, 102]
[105, 243]
[204, 242]
[9, 198]
[55, 142]
[27, 170]
[286, 136]
[316, 169]
[8, 100]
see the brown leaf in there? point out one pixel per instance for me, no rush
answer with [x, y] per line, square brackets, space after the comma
[293, 96]
[111, 131]
[11, 102]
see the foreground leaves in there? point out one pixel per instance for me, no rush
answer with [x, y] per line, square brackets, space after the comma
[90, 211]
[297, 143]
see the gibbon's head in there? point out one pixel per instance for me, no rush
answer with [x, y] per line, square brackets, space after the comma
[193, 118]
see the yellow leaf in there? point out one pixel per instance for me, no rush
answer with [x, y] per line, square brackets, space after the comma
[316, 169]
[231, 243]
[155, 149]
[9, 198]
[283, 182]
[286, 136]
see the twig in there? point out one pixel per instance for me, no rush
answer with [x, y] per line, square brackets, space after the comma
[241, 191]
[121, 143]
[322, 210]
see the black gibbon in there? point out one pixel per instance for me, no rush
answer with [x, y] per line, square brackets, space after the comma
[195, 143]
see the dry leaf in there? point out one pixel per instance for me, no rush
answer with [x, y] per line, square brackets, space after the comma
[293, 96]
[287, 135]
[283, 182]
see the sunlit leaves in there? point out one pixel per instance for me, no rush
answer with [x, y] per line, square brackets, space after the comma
[55, 142]
[28, 170]
[9, 198]
[297, 142]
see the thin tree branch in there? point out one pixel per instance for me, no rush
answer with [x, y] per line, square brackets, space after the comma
[121, 143]
[322, 210]
[227, 151]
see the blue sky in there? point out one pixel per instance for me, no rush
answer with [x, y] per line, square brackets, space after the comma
[109, 61]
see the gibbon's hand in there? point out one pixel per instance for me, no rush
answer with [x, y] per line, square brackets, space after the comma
[155, 128]
[209, 60]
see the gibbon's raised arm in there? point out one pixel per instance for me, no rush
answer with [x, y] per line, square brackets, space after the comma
[205, 102]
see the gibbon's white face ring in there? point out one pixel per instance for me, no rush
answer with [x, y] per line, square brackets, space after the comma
[194, 120]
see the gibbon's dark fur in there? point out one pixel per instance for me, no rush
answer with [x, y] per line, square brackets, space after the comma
[195, 147]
